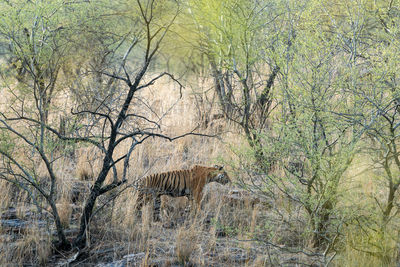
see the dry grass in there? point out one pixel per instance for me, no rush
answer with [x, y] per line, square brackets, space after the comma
[221, 234]
[186, 243]
[24, 238]
[34, 248]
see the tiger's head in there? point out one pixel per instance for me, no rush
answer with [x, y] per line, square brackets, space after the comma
[219, 175]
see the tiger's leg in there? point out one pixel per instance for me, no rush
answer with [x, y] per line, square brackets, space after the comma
[140, 199]
[166, 210]
[197, 202]
[190, 205]
[157, 208]
[193, 208]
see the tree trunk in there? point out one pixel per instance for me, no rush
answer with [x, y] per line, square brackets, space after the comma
[320, 222]
[80, 240]
[63, 243]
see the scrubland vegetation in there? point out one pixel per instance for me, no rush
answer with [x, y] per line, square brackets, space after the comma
[300, 101]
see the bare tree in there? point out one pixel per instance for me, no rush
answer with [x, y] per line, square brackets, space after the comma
[110, 122]
[241, 47]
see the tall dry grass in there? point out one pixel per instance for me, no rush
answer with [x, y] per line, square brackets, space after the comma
[223, 232]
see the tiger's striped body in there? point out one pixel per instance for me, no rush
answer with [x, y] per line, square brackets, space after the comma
[178, 183]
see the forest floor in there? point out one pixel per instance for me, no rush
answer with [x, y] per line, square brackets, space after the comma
[225, 233]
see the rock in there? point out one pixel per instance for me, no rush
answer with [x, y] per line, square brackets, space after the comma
[9, 214]
[214, 191]
[127, 260]
[238, 255]
[120, 263]
[79, 190]
[134, 257]
[241, 198]
[170, 262]
[11, 223]
[14, 223]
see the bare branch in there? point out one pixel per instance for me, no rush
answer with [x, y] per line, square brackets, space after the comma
[62, 137]
[148, 134]
[158, 77]
[27, 176]
[93, 113]
[111, 186]
[144, 118]
[115, 76]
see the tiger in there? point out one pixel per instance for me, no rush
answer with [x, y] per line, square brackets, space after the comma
[178, 183]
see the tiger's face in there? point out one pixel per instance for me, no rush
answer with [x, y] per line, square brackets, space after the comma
[219, 175]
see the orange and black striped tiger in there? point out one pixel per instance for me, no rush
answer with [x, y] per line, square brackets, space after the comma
[178, 183]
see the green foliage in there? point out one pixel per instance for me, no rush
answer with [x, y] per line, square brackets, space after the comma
[310, 83]
[234, 33]
[312, 145]
[6, 143]
[33, 29]
[370, 247]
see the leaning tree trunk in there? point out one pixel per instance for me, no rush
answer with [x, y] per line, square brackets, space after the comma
[97, 190]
